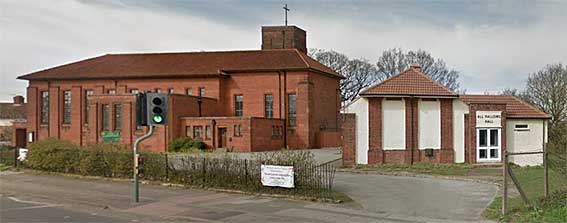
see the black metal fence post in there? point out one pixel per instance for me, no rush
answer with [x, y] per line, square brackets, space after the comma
[166, 167]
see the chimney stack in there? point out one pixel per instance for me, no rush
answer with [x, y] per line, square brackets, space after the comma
[18, 100]
[416, 66]
[284, 37]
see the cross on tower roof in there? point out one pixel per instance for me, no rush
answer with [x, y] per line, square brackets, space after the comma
[286, 9]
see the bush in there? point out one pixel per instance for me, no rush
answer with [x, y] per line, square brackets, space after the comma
[53, 155]
[199, 144]
[110, 160]
[7, 155]
[224, 170]
[186, 145]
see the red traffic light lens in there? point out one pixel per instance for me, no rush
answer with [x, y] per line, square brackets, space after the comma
[157, 101]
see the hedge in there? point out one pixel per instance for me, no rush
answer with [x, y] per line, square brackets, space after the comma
[210, 170]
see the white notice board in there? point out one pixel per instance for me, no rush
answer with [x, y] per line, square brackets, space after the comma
[277, 176]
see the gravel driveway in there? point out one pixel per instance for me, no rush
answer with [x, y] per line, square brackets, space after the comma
[422, 198]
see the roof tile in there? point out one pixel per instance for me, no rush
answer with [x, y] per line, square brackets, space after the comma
[180, 64]
[410, 82]
[515, 107]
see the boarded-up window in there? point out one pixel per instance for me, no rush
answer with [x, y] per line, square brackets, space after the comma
[429, 124]
[393, 124]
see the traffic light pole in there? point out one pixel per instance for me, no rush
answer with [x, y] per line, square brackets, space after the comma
[136, 166]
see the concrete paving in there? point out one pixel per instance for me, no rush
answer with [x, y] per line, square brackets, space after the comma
[52, 198]
[409, 197]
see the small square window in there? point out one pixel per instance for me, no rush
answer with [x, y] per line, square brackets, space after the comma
[521, 127]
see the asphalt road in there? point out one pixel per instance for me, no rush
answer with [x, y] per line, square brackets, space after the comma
[425, 197]
[18, 210]
[51, 198]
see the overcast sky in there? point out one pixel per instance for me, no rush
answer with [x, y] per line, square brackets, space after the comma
[494, 44]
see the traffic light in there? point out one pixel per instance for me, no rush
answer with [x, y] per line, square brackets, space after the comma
[156, 108]
[141, 110]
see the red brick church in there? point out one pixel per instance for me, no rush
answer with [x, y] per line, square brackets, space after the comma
[251, 100]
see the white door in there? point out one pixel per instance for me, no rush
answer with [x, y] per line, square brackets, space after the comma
[488, 144]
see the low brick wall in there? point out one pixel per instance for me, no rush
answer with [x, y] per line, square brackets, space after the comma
[348, 136]
[329, 138]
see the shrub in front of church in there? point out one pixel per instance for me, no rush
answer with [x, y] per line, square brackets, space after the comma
[186, 145]
[209, 170]
[53, 155]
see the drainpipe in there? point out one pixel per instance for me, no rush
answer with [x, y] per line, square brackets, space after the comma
[285, 111]
[200, 101]
[213, 127]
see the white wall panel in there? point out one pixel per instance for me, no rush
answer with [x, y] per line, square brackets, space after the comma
[360, 108]
[530, 140]
[459, 111]
[429, 124]
[393, 125]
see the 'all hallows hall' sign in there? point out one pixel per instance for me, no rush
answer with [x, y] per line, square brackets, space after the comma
[486, 119]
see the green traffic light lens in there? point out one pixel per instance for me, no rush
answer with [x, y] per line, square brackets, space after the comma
[157, 118]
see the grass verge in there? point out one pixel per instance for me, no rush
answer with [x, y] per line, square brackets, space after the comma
[550, 209]
[4, 167]
[420, 168]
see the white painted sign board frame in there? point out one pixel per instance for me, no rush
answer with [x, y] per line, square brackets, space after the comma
[277, 176]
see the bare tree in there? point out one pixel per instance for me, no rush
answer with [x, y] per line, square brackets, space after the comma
[359, 73]
[396, 60]
[547, 89]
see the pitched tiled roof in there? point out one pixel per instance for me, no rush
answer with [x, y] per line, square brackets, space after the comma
[515, 107]
[181, 64]
[11, 111]
[410, 82]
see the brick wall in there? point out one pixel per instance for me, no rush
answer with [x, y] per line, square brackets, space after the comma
[412, 154]
[256, 132]
[218, 101]
[348, 135]
[375, 154]
[474, 107]
[284, 37]
[261, 134]
[446, 154]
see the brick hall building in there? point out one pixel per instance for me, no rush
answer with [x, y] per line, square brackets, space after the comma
[241, 101]
[411, 118]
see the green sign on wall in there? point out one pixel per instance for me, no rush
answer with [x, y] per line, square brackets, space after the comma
[108, 136]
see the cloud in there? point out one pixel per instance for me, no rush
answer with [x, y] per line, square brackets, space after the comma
[495, 45]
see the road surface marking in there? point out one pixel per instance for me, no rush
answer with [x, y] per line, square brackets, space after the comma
[40, 204]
